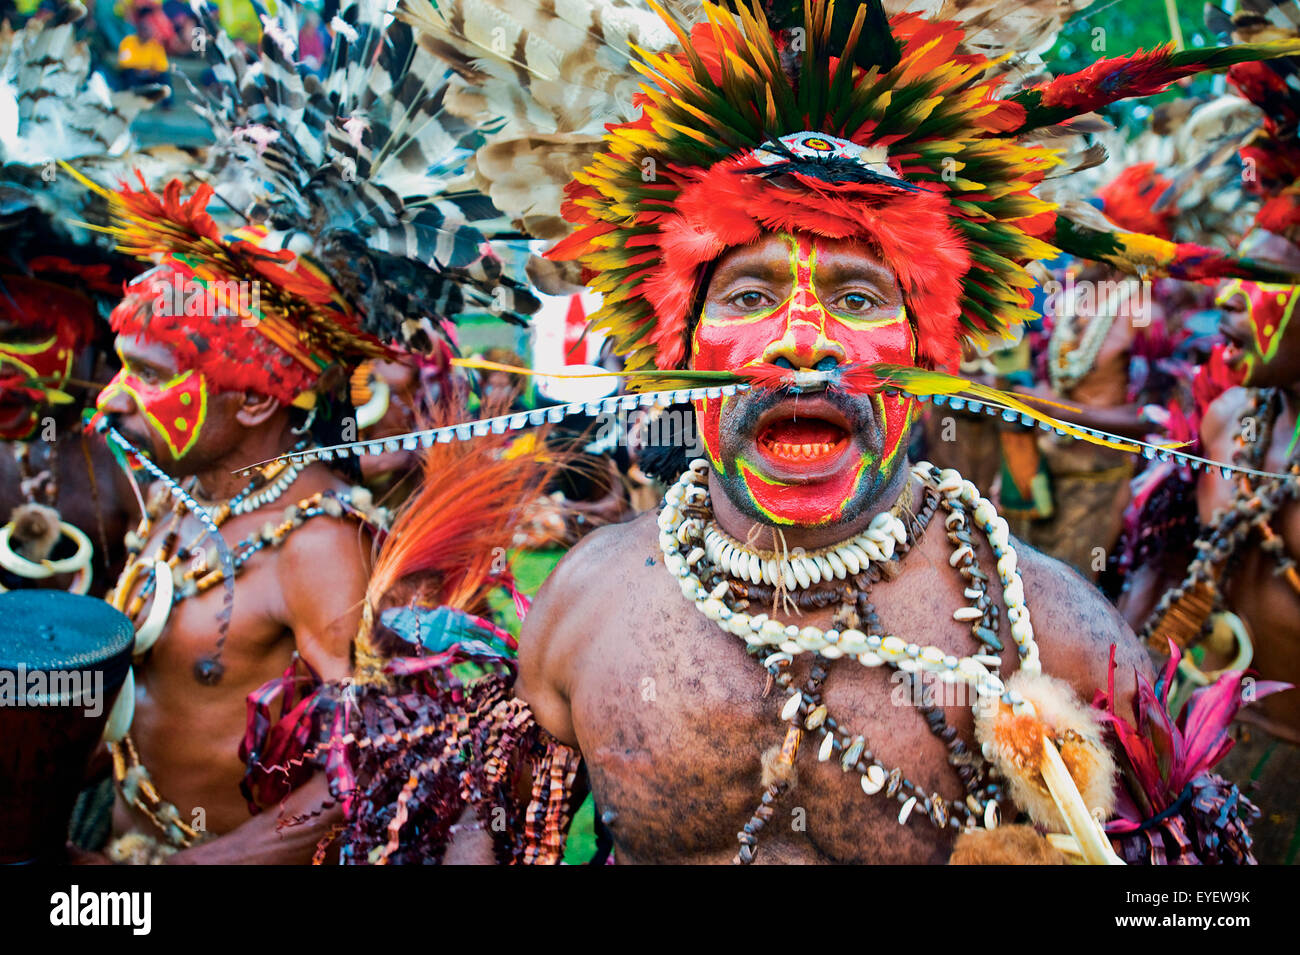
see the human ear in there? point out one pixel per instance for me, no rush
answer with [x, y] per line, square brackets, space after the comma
[255, 409]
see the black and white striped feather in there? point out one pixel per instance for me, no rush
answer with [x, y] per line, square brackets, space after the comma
[362, 168]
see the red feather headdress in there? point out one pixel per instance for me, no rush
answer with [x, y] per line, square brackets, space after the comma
[249, 318]
[945, 194]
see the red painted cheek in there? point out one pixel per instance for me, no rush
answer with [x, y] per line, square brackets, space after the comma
[726, 347]
[177, 412]
[50, 365]
[708, 419]
[896, 410]
[892, 344]
[1267, 316]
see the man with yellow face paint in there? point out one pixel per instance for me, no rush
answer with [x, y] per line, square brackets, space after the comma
[248, 573]
[204, 393]
[64, 504]
[743, 655]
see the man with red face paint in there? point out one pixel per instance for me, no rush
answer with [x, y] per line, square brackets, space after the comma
[807, 212]
[64, 498]
[797, 472]
[204, 391]
[798, 302]
[802, 532]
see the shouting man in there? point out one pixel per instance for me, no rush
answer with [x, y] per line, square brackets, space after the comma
[780, 211]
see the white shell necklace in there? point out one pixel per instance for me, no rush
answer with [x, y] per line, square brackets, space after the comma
[684, 524]
[800, 571]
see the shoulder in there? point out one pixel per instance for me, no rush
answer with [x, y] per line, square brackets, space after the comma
[338, 537]
[326, 558]
[605, 558]
[576, 597]
[1076, 626]
[1222, 414]
[576, 605]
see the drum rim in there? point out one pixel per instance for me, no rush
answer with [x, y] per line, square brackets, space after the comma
[119, 636]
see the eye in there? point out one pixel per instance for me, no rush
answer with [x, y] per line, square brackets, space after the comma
[857, 302]
[750, 300]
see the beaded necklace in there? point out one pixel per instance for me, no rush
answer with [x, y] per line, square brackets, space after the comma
[162, 568]
[131, 775]
[1071, 356]
[682, 524]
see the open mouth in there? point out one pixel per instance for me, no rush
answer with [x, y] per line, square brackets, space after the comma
[804, 439]
[1234, 346]
[14, 410]
[803, 435]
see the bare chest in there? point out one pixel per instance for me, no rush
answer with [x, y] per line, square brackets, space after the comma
[177, 589]
[673, 718]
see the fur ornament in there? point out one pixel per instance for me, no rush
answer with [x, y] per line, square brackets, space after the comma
[36, 531]
[1005, 845]
[1014, 743]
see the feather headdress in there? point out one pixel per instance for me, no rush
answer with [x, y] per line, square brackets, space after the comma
[355, 230]
[54, 276]
[885, 129]
[1272, 153]
[817, 117]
